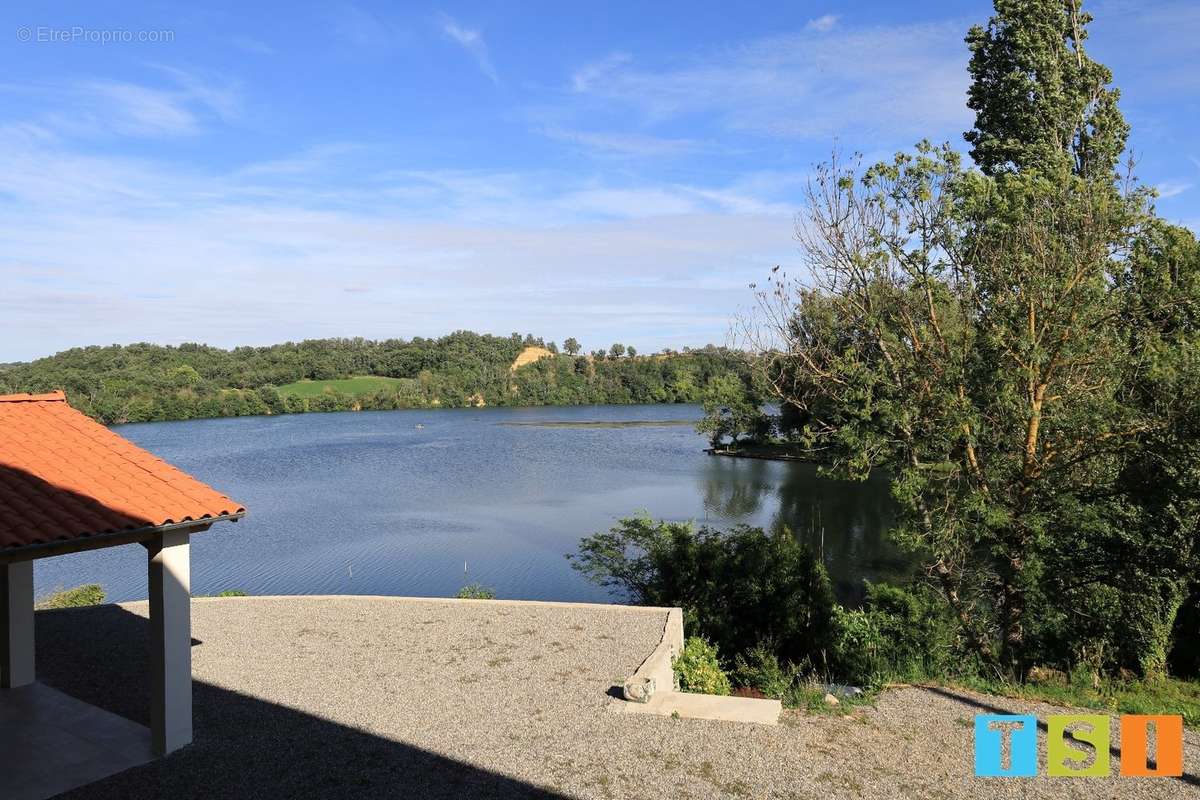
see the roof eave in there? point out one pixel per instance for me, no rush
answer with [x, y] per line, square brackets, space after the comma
[60, 547]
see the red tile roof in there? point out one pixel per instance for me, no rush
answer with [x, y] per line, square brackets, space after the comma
[64, 477]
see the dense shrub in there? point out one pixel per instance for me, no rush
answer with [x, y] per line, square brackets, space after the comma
[761, 670]
[767, 604]
[738, 588]
[475, 591]
[699, 670]
[898, 632]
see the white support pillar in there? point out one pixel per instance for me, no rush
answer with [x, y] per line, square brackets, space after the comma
[16, 624]
[170, 642]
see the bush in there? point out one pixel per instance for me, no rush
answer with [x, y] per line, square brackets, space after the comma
[738, 588]
[761, 670]
[233, 593]
[898, 633]
[858, 652]
[698, 668]
[475, 591]
[90, 594]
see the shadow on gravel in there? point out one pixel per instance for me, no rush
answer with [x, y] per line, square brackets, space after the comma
[244, 747]
[975, 702]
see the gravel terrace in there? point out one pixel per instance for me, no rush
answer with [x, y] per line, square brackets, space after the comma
[387, 697]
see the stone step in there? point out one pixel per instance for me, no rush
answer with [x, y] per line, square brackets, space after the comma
[705, 706]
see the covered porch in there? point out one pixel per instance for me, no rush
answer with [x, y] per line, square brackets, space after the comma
[68, 484]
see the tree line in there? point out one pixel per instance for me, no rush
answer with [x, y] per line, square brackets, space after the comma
[148, 382]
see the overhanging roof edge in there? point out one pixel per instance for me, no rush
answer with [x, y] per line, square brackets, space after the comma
[98, 541]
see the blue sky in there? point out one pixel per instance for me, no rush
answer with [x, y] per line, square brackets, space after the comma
[248, 173]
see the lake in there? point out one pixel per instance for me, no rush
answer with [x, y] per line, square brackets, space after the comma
[369, 503]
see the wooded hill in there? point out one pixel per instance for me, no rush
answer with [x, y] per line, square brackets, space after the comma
[144, 382]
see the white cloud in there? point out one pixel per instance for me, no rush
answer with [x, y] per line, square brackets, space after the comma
[822, 24]
[1172, 188]
[631, 203]
[86, 109]
[586, 76]
[472, 42]
[101, 249]
[137, 110]
[907, 81]
[222, 99]
[311, 160]
[626, 144]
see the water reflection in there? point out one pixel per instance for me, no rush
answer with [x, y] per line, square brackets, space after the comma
[844, 522]
[735, 487]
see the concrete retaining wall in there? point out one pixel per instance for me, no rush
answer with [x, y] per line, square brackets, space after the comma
[652, 690]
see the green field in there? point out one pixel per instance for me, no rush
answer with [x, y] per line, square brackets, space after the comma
[357, 386]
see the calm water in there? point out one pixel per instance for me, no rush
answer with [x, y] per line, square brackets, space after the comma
[367, 503]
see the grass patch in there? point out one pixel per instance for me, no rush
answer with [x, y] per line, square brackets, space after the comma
[356, 387]
[1158, 696]
[90, 594]
[809, 696]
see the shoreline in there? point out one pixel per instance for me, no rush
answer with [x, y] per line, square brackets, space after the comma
[761, 452]
[437, 409]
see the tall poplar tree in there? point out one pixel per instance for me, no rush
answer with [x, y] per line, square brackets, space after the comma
[1040, 101]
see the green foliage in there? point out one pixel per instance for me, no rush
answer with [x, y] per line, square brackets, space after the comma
[232, 593]
[1040, 102]
[90, 594]
[183, 375]
[1019, 347]
[699, 670]
[760, 669]
[569, 381]
[738, 588]
[732, 408]
[475, 591]
[898, 633]
[144, 382]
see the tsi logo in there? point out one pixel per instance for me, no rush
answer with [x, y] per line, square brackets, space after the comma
[1077, 745]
